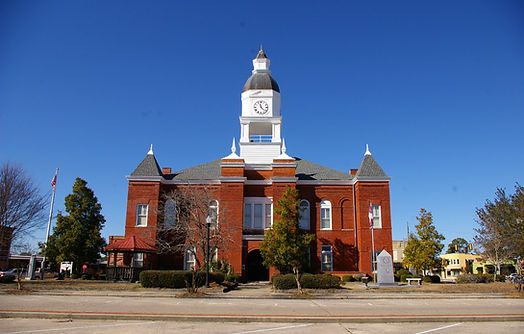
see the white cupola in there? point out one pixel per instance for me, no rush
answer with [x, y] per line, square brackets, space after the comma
[260, 122]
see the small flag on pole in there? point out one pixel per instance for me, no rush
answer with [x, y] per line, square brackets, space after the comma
[370, 215]
[53, 182]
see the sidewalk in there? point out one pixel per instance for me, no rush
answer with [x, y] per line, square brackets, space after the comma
[257, 302]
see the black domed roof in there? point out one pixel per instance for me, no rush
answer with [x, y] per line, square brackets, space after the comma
[261, 80]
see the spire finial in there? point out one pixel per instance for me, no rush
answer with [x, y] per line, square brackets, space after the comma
[261, 47]
[150, 150]
[367, 150]
[283, 146]
[233, 146]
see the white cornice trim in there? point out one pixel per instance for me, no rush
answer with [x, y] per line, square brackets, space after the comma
[255, 237]
[284, 164]
[145, 178]
[258, 182]
[372, 179]
[278, 179]
[325, 182]
[258, 167]
[233, 179]
[187, 182]
[232, 164]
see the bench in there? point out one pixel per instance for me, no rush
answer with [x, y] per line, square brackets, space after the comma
[418, 280]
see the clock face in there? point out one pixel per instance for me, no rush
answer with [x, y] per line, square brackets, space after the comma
[261, 107]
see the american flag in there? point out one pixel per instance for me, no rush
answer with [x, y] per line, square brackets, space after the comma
[370, 215]
[53, 182]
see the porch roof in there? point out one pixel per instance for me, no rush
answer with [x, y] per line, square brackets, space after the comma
[130, 244]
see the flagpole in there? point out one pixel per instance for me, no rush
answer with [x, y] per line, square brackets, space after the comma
[53, 183]
[371, 223]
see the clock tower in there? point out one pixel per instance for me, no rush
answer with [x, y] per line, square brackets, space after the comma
[260, 122]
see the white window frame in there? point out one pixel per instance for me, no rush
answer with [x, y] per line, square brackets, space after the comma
[189, 260]
[328, 251]
[267, 212]
[326, 205]
[138, 260]
[377, 216]
[304, 211]
[139, 215]
[213, 212]
[170, 217]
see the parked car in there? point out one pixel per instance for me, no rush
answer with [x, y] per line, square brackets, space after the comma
[13, 272]
[513, 278]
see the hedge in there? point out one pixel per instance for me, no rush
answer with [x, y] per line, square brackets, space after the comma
[473, 278]
[176, 279]
[307, 281]
[7, 279]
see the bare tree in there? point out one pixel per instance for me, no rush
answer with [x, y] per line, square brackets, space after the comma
[22, 207]
[184, 215]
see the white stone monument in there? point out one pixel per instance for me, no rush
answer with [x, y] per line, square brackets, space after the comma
[385, 269]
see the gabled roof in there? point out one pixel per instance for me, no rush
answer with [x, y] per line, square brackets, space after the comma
[130, 244]
[370, 168]
[148, 167]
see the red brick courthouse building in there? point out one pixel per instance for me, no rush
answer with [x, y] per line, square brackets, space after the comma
[334, 205]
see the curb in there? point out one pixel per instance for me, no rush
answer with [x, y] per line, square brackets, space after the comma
[261, 318]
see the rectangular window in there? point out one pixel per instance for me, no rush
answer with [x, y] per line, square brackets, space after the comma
[138, 260]
[141, 215]
[169, 213]
[326, 257]
[377, 221]
[257, 213]
[247, 216]
[325, 215]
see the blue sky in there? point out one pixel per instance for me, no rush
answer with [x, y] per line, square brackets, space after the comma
[434, 87]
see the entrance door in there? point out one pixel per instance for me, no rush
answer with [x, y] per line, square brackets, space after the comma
[255, 269]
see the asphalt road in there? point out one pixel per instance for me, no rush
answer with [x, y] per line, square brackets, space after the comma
[262, 310]
[43, 326]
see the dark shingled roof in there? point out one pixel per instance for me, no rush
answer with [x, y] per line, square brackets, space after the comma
[207, 171]
[261, 80]
[307, 170]
[370, 168]
[148, 167]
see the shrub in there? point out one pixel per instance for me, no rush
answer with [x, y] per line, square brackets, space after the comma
[7, 279]
[403, 272]
[426, 279]
[86, 277]
[358, 277]
[435, 279]
[233, 278]
[307, 281]
[284, 282]
[472, 278]
[348, 278]
[75, 276]
[175, 279]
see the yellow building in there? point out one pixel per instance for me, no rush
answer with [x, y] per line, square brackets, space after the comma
[454, 264]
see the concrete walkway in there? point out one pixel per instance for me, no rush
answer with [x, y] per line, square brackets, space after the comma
[258, 303]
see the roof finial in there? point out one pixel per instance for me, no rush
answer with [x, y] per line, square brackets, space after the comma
[283, 146]
[367, 150]
[233, 146]
[150, 150]
[261, 47]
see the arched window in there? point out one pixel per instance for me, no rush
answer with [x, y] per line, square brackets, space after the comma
[213, 213]
[170, 212]
[303, 221]
[325, 215]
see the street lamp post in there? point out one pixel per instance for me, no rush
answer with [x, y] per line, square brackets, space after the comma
[208, 223]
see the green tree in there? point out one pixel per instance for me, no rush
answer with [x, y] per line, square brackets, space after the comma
[76, 236]
[285, 245]
[457, 245]
[423, 249]
[500, 235]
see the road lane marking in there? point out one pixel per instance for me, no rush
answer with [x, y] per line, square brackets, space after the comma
[79, 327]
[271, 329]
[439, 328]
